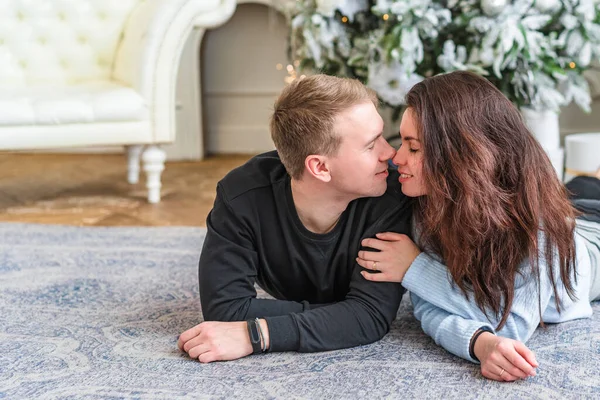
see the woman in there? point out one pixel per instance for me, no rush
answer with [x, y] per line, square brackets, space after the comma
[490, 206]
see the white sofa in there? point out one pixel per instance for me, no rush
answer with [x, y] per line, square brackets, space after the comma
[97, 72]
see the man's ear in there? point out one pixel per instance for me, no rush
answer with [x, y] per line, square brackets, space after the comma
[318, 167]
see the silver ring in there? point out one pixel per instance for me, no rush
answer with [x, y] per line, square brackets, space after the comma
[501, 373]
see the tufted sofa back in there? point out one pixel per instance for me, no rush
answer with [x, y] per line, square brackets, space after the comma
[60, 41]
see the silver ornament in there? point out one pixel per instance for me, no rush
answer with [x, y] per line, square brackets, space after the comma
[491, 8]
[546, 5]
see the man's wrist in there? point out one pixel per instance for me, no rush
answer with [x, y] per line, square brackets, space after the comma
[254, 335]
[265, 334]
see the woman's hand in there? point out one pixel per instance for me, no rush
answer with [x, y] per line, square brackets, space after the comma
[397, 252]
[504, 359]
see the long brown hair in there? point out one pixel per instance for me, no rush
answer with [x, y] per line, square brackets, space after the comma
[491, 190]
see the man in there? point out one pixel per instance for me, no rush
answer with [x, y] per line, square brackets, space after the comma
[292, 221]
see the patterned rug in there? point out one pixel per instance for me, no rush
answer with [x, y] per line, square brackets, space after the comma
[89, 313]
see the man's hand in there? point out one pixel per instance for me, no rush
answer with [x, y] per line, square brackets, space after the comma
[504, 359]
[397, 252]
[216, 341]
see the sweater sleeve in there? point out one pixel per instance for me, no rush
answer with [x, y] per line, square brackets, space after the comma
[364, 316]
[450, 318]
[228, 269]
[450, 331]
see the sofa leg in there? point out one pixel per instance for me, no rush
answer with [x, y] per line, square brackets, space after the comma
[133, 163]
[154, 162]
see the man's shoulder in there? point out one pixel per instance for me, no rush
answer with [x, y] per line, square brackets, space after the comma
[260, 171]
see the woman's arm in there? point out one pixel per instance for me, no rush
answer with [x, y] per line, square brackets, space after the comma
[452, 319]
[400, 260]
[502, 359]
[429, 279]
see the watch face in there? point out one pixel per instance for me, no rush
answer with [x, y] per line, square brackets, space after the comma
[255, 335]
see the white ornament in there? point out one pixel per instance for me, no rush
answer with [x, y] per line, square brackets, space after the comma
[491, 8]
[391, 81]
[347, 7]
[327, 7]
[545, 6]
[382, 6]
[350, 8]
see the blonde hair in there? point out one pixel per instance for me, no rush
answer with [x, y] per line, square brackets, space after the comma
[304, 117]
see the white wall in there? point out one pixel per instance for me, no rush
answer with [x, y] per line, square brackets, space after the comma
[574, 120]
[240, 81]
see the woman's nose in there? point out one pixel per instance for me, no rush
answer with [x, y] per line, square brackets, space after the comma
[398, 159]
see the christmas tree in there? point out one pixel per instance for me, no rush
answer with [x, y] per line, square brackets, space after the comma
[535, 51]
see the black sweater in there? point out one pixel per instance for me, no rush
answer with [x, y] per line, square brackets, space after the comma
[255, 235]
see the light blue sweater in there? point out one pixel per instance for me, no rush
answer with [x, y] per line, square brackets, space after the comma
[451, 320]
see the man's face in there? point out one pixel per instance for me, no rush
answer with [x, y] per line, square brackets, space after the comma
[360, 167]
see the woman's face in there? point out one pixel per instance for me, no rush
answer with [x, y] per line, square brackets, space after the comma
[409, 158]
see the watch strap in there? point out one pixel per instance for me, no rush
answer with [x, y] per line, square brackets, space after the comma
[254, 335]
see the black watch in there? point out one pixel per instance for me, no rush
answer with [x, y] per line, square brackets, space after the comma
[254, 336]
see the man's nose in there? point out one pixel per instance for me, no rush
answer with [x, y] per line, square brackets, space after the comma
[389, 152]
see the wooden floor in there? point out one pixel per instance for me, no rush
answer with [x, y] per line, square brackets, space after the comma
[92, 190]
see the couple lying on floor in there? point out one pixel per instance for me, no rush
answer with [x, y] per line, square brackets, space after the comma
[473, 222]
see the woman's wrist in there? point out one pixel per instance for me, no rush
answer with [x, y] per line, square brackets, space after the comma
[475, 344]
[481, 343]
[405, 271]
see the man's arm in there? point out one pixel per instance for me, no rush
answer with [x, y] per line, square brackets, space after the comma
[228, 268]
[363, 317]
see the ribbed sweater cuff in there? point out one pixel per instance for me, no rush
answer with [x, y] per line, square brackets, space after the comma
[283, 333]
[413, 279]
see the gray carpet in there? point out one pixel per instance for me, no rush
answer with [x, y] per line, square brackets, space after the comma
[89, 313]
